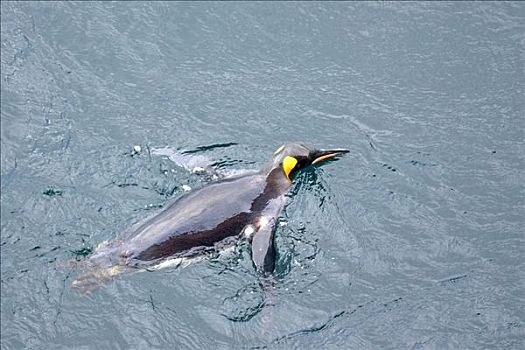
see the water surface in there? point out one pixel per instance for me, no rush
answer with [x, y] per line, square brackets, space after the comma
[414, 240]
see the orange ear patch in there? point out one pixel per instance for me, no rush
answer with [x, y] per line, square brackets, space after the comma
[288, 164]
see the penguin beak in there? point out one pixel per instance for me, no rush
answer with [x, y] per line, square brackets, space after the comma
[321, 154]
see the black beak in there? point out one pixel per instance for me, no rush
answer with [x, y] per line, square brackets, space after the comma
[319, 155]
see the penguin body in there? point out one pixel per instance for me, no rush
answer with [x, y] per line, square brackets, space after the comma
[221, 212]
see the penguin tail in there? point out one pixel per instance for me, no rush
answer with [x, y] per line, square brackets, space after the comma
[92, 280]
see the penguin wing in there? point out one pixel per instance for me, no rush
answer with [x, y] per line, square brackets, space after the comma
[263, 250]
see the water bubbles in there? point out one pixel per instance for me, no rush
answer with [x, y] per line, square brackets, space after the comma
[198, 170]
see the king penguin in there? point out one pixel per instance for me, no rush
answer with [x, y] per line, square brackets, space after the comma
[245, 206]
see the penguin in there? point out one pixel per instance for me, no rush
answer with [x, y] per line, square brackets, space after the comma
[217, 214]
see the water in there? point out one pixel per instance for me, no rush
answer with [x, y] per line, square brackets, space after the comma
[414, 240]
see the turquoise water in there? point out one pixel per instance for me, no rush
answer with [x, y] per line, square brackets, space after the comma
[413, 240]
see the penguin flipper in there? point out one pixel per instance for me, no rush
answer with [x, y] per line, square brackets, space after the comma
[263, 250]
[197, 163]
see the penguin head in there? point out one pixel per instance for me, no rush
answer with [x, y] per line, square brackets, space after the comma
[292, 157]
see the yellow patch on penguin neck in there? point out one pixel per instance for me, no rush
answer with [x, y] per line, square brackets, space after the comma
[288, 164]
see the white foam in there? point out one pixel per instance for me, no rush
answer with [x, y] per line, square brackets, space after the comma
[174, 263]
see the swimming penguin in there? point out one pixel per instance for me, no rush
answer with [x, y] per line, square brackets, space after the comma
[200, 220]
